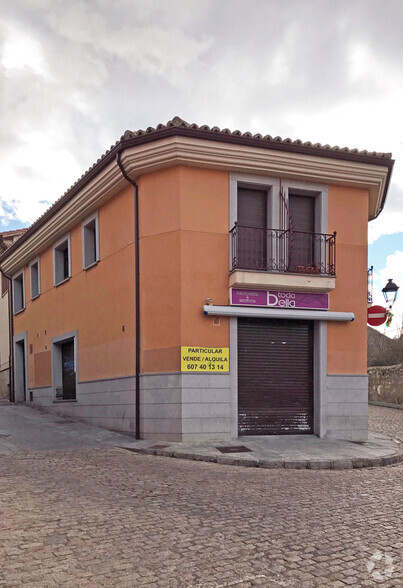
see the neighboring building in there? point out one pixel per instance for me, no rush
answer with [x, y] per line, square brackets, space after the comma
[7, 238]
[246, 295]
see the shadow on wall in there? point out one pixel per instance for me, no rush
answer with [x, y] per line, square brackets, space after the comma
[4, 385]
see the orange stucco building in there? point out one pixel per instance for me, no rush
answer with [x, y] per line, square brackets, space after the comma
[197, 283]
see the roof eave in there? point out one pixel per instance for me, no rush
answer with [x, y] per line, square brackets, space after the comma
[261, 143]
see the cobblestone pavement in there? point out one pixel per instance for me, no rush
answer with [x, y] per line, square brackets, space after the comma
[25, 429]
[110, 517]
[386, 420]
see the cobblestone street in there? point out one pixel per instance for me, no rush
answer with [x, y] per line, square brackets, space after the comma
[386, 420]
[110, 517]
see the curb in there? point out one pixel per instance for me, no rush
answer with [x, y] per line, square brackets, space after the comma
[271, 464]
[386, 404]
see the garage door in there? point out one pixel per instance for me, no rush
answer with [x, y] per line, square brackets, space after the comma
[275, 377]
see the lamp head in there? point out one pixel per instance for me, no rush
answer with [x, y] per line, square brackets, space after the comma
[390, 292]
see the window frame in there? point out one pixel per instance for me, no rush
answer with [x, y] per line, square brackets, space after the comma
[65, 238]
[31, 264]
[251, 181]
[317, 191]
[92, 218]
[254, 182]
[14, 278]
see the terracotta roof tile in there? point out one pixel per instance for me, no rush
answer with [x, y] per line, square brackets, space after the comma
[180, 123]
[11, 233]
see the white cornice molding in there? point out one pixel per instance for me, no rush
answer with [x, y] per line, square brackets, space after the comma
[198, 153]
[244, 159]
[94, 194]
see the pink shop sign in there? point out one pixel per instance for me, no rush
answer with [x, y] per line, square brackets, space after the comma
[278, 299]
[248, 297]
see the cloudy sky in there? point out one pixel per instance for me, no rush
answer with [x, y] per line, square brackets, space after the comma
[75, 74]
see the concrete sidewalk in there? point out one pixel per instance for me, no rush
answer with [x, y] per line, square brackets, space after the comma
[288, 451]
[24, 430]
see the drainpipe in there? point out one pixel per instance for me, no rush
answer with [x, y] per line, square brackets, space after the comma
[11, 336]
[137, 288]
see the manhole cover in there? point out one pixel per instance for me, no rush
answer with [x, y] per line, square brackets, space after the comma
[233, 449]
[64, 422]
[159, 446]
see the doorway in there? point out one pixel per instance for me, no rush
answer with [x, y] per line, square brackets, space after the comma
[275, 376]
[68, 371]
[64, 366]
[20, 369]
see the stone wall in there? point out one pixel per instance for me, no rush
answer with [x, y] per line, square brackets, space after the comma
[386, 384]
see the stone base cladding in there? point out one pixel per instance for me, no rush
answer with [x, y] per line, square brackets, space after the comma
[185, 407]
[4, 384]
[346, 407]
[196, 407]
[104, 403]
[174, 406]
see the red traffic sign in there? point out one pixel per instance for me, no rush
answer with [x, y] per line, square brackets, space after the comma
[376, 316]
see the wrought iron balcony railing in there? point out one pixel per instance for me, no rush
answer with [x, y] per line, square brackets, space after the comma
[276, 250]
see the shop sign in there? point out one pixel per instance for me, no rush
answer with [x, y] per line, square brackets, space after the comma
[249, 297]
[279, 299]
[205, 359]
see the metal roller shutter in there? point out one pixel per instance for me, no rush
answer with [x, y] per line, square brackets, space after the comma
[275, 377]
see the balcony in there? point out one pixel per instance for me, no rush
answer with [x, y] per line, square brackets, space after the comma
[308, 259]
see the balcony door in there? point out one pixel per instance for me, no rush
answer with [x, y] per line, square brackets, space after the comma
[302, 224]
[252, 229]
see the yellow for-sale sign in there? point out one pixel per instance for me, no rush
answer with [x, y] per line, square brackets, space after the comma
[205, 359]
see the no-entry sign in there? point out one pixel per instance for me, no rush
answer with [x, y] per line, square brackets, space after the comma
[376, 316]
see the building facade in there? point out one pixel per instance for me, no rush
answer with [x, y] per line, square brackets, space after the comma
[235, 305]
[7, 238]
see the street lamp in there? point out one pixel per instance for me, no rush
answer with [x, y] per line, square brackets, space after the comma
[390, 292]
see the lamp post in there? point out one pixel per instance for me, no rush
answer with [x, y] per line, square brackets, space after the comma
[390, 292]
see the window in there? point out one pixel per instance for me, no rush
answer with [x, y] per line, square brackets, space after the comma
[62, 260]
[90, 241]
[35, 278]
[279, 227]
[18, 292]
